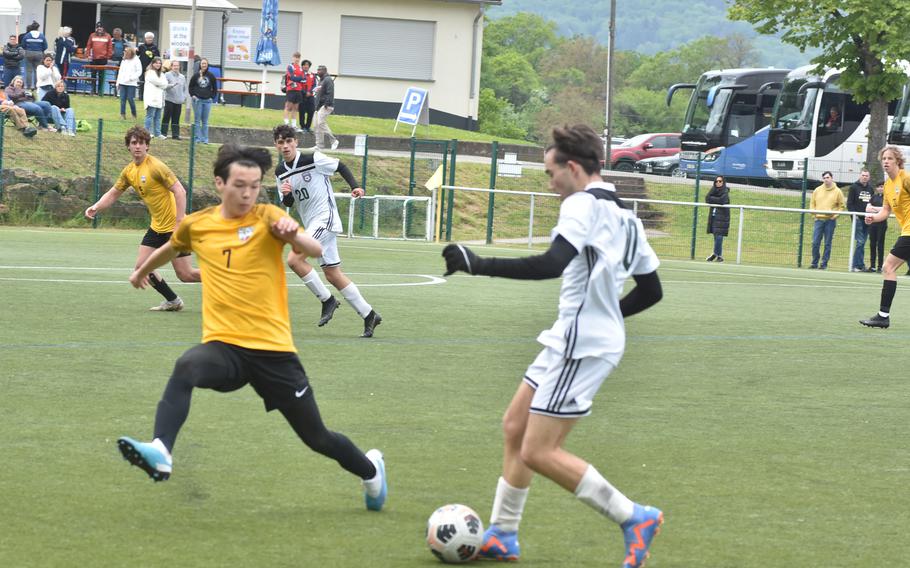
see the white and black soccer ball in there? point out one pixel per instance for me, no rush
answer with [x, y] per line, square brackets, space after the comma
[455, 533]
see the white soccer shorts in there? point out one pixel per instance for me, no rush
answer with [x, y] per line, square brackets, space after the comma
[565, 388]
[329, 241]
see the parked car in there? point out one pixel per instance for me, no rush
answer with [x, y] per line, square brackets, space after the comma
[657, 145]
[661, 166]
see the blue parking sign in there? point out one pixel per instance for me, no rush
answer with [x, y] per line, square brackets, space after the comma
[414, 107]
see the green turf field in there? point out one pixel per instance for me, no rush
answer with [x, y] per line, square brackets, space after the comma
[750, 406]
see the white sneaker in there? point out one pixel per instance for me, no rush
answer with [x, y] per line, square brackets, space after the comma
[335, 144]
[71, 132]
[161, 137]
[173, 306]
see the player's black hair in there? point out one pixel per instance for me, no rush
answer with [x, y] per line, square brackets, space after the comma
[284, 131]
[248, 156]
[827, 173]
[306, 62]
[579, 144]
[139, 133]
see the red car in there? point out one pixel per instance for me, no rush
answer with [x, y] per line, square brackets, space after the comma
[623, 158]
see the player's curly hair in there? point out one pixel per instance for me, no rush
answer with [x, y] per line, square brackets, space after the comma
[283, 131]
[896, 152]
[579, 144]
[139, 133]
[248, 156]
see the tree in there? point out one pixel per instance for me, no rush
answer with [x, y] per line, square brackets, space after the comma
[510, 76]
[524, 33]
[864, 39]
[497, 116]
[689, 61]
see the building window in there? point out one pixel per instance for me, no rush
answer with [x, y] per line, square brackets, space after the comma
[387, 48]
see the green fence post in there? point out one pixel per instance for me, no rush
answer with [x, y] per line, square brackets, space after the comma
[695, 200]
[411, 183]
[363, 167]
[2, 135]
[451, 195]
[494, 151]
[802, 216]
[441, 193]
[192, 166]
[98, 168]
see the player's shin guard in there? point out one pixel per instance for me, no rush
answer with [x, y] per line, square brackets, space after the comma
[597, 493]
[162, 288]
[508, 505]
[352, 294]
[889, 287]
[315, 285]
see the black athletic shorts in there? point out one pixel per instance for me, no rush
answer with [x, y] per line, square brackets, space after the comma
[294, 97]
[901, 248]
[157, 240]
[276, 376]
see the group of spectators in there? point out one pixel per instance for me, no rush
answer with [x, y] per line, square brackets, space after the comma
[307, 93]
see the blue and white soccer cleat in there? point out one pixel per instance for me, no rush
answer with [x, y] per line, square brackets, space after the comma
[375, 502]
[500, 545]
[638, 532]
[155, 462]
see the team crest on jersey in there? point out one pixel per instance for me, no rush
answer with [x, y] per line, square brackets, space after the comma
[244, 233]
[307, 178]
[142, 179]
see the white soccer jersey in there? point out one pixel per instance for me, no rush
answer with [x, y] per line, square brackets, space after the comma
[312, 189]
[611, 247]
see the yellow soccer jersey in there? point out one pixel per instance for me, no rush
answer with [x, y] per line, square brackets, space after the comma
[897, 192]
[244, 293]
[152, 180]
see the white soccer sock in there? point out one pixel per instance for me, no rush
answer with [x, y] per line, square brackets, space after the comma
[352, 295]
[159, 445]
[883, 314]
[314, 283]
[286, 120]
[597, 493]
[508, 506]
[294, 122]
[373, 485]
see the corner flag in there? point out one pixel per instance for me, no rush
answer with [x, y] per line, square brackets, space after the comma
[435, 181]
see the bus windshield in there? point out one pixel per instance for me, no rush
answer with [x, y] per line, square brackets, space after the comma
[702, 119]
[795, 110]
[900, 127]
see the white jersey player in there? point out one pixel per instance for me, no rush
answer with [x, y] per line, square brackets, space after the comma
[596, 246]
[304, 182]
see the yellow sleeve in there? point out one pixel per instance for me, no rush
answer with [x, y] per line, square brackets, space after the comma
[165, 175]
[123, 182]
[180, 239]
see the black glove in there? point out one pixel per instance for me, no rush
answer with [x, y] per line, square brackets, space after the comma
[459, 257]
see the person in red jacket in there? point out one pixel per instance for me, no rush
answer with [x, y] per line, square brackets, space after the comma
[99, 49]
[294, 90]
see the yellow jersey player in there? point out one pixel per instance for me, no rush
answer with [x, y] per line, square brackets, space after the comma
[246, 330]
[896, 199]
[165, 198]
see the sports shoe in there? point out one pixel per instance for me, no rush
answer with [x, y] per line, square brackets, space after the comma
[500, 545]
[156, 463]
[375, 502]
[720, 259]
[711, 258]
[335, 144]
[877, 321]
[174, 305]
[370, 322]
[328, 310]
[638, 532]
[813, 267]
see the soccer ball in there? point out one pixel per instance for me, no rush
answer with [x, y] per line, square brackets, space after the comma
[454, 533]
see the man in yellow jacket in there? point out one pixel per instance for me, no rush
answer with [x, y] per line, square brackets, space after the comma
[826, 197]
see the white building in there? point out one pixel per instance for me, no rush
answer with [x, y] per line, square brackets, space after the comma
[377, 48]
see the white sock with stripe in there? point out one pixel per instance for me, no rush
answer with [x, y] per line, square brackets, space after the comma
[314, 283]
[596, 492]
[508, 505]
[352, 294]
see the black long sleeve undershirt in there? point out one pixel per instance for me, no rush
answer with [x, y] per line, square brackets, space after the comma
[550, 264]
[646, 293]
[347, 175]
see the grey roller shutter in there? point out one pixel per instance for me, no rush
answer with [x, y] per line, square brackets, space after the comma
[288, 36]
[387, 48]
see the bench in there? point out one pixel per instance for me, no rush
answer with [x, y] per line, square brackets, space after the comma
[90, 80]
[242, 93]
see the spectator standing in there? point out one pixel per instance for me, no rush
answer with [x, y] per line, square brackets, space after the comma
[325, 104]
[293, 80]
[826, 197]
[64, 47]
[147, 50]
[35, 44]
[204, 90]
[155, 83]
[59, 100]
[877, 231]
[127, 79]
[13, 55]
[41, 110]
[174, 97]
[118, 44]
[48, 75]
[719, 217]
[857, 200]
[308, 104]
[98, 50]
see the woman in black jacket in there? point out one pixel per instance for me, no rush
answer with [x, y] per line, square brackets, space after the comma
[719, 218]
[204, 91]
